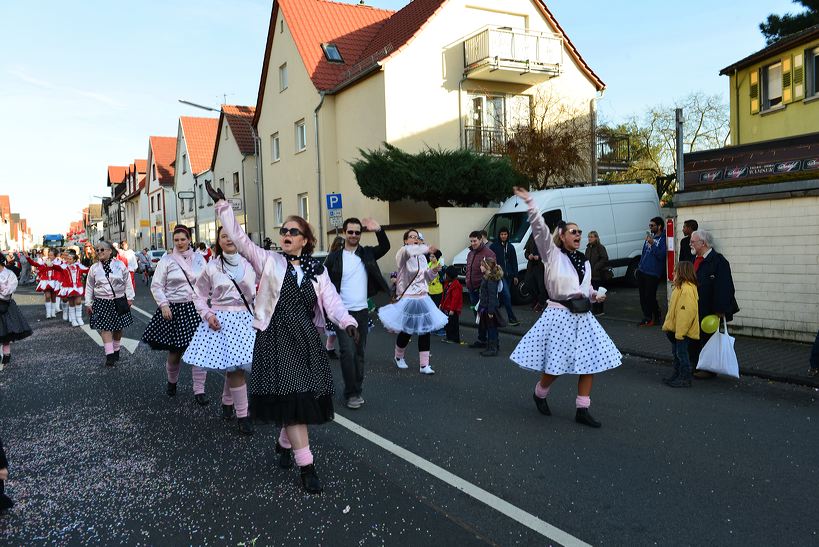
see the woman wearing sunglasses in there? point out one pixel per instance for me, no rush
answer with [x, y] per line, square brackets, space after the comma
[291, 383]
[108, 280]
[567, 339]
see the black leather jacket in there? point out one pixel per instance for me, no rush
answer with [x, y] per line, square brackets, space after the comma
[368, 255]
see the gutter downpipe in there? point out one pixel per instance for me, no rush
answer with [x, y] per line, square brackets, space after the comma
[461, 136]
[736, 102]
[322, 94]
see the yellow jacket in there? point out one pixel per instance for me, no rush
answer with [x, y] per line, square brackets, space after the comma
[683, 317]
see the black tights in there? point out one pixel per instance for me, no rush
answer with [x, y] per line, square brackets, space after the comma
[404, 340]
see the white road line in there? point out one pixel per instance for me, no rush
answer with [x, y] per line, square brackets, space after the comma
[143, 312]
[128, 343]
[527, 519]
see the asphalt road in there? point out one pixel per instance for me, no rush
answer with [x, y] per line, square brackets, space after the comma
[103, 456]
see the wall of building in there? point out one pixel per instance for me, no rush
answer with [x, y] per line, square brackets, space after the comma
[230, 160]
[773, 248]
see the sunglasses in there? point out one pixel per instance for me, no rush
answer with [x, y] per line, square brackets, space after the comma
[353, 232]
[100, 250]
[575, 232]
[290, 231]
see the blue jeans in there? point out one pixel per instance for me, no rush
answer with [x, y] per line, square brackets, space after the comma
[679, 349]
[506, 298]
[474, 296]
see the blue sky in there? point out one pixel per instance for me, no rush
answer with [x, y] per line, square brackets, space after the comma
[85, 83]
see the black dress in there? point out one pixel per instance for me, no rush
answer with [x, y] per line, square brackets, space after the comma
[291, 382]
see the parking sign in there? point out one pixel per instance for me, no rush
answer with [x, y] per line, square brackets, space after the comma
[333, 201]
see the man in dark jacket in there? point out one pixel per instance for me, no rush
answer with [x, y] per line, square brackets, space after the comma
[715, 289]
[354, 272]
[650, 272]
[507, 259]
[689, 227]
[477, 252]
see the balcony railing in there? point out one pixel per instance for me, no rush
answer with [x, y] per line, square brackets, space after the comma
[519, 51]
[486, 140]
[613, 152]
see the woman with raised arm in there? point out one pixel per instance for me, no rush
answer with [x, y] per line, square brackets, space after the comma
[223, 296]
[567, 339]
[291, 383]
[108, 281]
[175, 320]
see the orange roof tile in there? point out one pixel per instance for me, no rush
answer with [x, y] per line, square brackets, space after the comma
[163, 150]
[116, 174]
[141, 166]
[238, 117]
[200, 135]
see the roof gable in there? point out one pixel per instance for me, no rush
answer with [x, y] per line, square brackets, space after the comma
[163, 153]
[200, 134]
[240, 119]
[116, 174]
[783, 44]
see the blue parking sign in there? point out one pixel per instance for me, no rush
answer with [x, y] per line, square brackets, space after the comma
[333, 201]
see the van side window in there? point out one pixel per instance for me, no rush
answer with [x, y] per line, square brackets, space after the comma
[552, 218]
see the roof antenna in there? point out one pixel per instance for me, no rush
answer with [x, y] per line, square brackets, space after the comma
[361, 2]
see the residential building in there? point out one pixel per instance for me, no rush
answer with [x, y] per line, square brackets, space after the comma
[114, 223]
[135, 203]
[162, 207]
[5, 222]
[338, 78]
[235, 166]
[93, 222]
[194, 153]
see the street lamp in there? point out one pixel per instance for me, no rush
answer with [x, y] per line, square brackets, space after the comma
[257, 151]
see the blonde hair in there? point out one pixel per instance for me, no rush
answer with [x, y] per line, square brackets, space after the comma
[559, 232]
[493, 271]
[684, 273]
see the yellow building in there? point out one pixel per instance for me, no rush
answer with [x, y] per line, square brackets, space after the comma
[775, 91]
[338, 78]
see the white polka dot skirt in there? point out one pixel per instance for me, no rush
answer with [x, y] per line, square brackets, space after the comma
[173, 335]
[413, 316]
[104, 316]
[228, 349]
[562, 342]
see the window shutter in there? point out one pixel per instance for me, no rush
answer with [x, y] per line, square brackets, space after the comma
[798, 76]
[787, 89]
[754, 91]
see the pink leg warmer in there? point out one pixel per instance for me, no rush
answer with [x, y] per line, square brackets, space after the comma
[331, 342]
[240, 400]
[399, 352]
[303, 456]
[6, 349]
[226, 397]
[424, 358]
[172, 370]
[116, 345]
[284, 440]
[199, 374]
[540, 391]
[582, 402]
[109, 348]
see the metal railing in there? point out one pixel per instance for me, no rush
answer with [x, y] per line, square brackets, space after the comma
[613, 150]
[486, 140]
[518, 46]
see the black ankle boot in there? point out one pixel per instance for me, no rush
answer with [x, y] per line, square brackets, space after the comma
[171, 391]
[674, 376]
[201, 399]
[285, 456]
[6, 359]
[227, 412]
[116, 355]
[110, 360]
[309, 480]
[542, 405]
[245, 425]
[583, 417]
[491, 349]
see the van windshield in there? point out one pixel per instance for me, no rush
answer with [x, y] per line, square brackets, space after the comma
[516, 223]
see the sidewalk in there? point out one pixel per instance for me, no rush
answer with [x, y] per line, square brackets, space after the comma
[777, 360]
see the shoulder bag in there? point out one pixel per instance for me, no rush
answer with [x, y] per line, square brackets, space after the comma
[395, 299]
[120, 302]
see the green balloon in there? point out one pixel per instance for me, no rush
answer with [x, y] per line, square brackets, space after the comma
[710, 324]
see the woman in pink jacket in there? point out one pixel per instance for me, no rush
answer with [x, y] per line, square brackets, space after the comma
[291, 384]
[223, 296]
[107, 281]
[414, 313]
[175, 320]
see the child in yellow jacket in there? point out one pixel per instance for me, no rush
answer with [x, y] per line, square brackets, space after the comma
[682, 323]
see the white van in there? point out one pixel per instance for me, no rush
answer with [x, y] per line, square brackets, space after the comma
[618, 212]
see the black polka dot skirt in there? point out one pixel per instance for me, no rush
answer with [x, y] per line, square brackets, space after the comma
[173, 335]
[562, 342]
[13, 326]
[104, 316]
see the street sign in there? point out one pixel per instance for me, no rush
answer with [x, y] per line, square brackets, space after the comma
[235, 204]
[333, 201]
[336, 218]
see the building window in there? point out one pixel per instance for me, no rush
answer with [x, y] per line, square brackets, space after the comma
[812, 74]
[304, 207]
[283, 77]
[153, 204]
[301, 136]
[182, 206]
[184, 163]
[332, 53]
[153, 171]
[278, 212]
[201, 196]
[235, 182]
[275, 148]
[771, 86]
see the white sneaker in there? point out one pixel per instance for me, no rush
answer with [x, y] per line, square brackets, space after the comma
[400, 362]
[427, 370]
[78, 315]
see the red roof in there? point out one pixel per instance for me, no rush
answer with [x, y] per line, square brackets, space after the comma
[163, 151]
[200, 134]
[240, 120]
[141, 166]
[116, 174]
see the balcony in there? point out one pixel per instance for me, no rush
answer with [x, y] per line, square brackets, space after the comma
[613, 152]
[515, 56]
[485, 140]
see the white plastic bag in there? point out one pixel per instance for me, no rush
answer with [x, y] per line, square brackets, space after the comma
[718, 354]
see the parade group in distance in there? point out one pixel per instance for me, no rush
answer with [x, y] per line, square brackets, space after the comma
[258, 315]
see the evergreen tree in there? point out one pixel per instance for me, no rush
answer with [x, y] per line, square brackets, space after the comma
[776, 27]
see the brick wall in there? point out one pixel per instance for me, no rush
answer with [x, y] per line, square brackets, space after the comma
[773, 248]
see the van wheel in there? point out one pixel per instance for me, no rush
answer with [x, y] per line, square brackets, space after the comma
[521, 294]
[631, 272]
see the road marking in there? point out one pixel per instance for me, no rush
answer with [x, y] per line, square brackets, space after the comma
[143, 312]
[128, 343]
[515, 513]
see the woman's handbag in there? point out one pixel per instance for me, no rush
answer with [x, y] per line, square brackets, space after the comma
[396, 298]
[718, 355]
[120, 302]
[577, 305]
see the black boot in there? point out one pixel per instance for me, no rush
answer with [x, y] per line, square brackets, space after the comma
[542, 405]
[682, 380]
[116, 355]
[477, 344]
[171, 391]
[227, 412]
[583, 417]
[285, 456]
[491, 349]
[245, 425]
[6, 359]
[675, 374]
[309, 480]
[201, 399]
[110, 360]
[331, 353]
